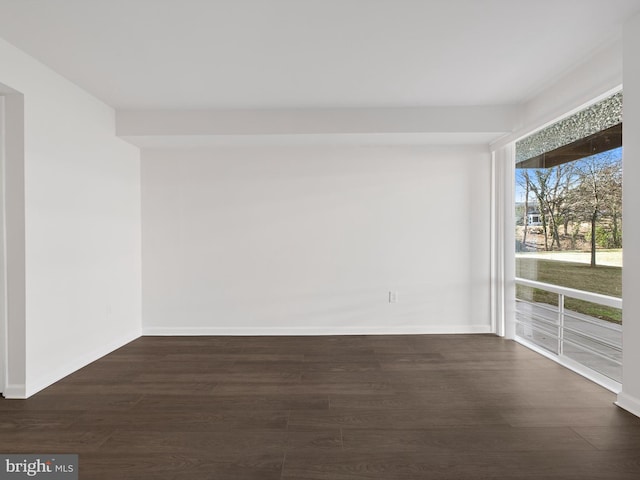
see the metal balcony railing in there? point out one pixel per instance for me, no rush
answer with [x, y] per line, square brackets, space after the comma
[591, 342]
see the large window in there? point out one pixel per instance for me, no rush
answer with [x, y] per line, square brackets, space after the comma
[569, 238]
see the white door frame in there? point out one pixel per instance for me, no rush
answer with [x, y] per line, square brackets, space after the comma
[502, 241]
[3, 263]
[12, 251]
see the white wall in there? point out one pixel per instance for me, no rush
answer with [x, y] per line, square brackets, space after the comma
[310, 240]
[630, 396]
[82, 225]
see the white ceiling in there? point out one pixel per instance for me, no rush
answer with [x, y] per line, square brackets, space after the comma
[196, 54]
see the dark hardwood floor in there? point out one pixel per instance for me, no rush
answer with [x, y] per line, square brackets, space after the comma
[338, 408]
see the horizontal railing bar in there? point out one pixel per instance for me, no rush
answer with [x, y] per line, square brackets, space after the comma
[600, 340]
[603, 324]
[594, 352]
[537, 344]
[540, 326]
[552, 320]
[598, 298]
[544, 306]
[553, 335]
[542, 320]
[542, 331]
[548, 326]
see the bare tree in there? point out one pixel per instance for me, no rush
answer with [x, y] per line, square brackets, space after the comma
[565, 210]
[556, 200]
[613, 201]
[539, 186]
[550, 187]
[525, 182]
[598, 193]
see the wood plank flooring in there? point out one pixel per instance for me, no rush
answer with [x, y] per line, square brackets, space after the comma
[327, 408]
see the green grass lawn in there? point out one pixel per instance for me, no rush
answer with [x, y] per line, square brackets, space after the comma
[601, 279]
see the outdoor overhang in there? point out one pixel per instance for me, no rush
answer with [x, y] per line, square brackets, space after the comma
[599, 142]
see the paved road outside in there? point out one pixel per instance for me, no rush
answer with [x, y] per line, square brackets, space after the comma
[537, 315]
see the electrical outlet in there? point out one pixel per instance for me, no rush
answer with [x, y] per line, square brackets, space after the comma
[393, 296]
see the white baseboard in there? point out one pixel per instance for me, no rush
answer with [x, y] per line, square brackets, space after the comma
[17, 391]
[629, 403]
[302, 331]
[59, 373]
